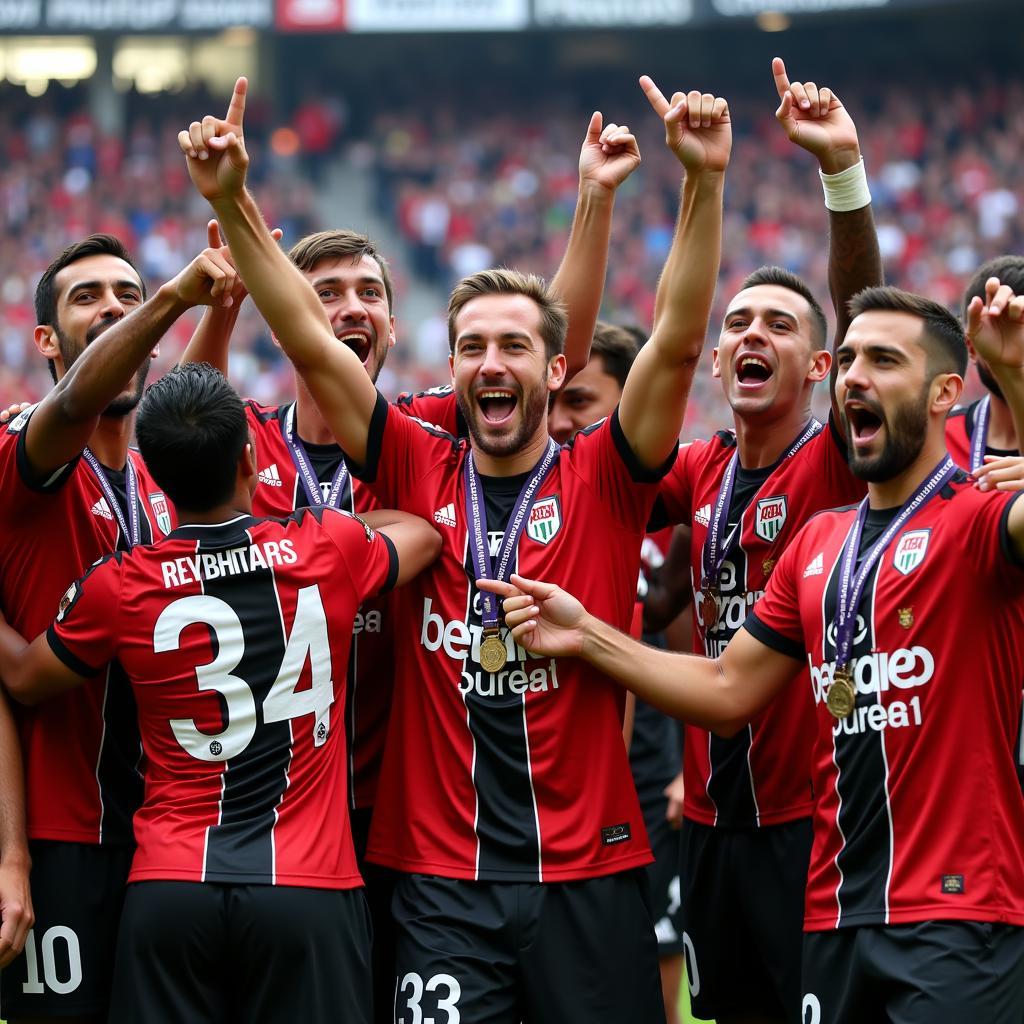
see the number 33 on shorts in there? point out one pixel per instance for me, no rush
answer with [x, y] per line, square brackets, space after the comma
[413, 990]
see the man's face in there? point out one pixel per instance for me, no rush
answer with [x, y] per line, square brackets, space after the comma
[590, 396]
[352, 292]
[501, 374]
[765, 355]
[93, 293]
[884, 392]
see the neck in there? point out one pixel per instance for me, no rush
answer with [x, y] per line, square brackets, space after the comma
[309, 424]
[896, 491]
[109, 441]
[1001, 433]
[762, 443]
[239, 504]
[521, 461]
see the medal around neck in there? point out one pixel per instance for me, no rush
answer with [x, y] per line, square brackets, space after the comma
[493, 655]
[709, 608]
[842, 694]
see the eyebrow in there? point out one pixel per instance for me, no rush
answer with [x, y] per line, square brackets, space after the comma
[334, 279]
[79, 286]
[873, 348]
[747, 311]
[504, 336]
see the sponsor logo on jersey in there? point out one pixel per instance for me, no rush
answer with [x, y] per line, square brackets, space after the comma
[545, 520]
[102, 509]
[770, 517]
[816, 566]
[703, 515]
[910, 551]
[445, 516]
[18, 423]
[270, 476]
[161, 510]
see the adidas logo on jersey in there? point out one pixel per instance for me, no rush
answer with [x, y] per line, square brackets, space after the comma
[816, 566]
[270, 476]
[445, 516]
[101, 508]
[703, 515]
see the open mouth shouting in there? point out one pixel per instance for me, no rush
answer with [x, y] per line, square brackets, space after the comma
[752, 371]
[497, 405]
[359, 341]
[864, 420]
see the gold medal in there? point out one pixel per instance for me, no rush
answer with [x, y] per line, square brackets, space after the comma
[842, 694]
[709, 608]
[493, 655]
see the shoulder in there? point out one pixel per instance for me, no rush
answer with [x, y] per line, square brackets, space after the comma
[263, 414]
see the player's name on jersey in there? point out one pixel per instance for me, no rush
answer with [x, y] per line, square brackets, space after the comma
[211, 565]
[460, 641]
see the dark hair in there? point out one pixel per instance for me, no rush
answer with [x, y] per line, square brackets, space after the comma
[335, 245]
[192, 429]
[1009, 270]
[785, 279]
[942, 335]
[46, 289]
[501, 281]
[617, 347]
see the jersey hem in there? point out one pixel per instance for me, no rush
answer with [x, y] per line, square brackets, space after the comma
[783, 817]
[57, 835]
[241, 878]
[419, 867]
[915, 915]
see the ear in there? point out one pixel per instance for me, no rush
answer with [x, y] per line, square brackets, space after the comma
[391, 333]
[556, 372]
[451, 368]
[716, 369]
[45, 338]
[970, 350]
[946, 391]
[821, 364]
[247, 465]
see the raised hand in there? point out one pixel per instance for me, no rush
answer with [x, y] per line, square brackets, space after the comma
[238, 290]
[814, 118]
[609, 154]
[697, 127]
[1000, 473]
[16, 409]
[214, 149]
[210, 279]
[542, 618]
[995, 326]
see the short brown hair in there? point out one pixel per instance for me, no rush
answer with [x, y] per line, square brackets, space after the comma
[943, 334]
[617, 347]
[307, 252]
[783, 278]
[501, 281]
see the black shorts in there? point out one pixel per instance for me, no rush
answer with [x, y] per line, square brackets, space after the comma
[380, 883]
[505, 952]
[209, 953]
[663, 878]
[942, 972]
[743, 915]
[65, 971]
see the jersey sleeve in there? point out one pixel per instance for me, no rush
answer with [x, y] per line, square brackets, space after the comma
[370, 555]
[19, 484]
[675, 492]
[601, 456]
[775, 619]
[994, 533]
[400, 450]
[436, 406]
[84, 633]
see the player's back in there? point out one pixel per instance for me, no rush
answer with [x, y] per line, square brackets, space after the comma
[236, 639]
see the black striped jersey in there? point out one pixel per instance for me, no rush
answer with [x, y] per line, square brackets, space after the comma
[235, 637]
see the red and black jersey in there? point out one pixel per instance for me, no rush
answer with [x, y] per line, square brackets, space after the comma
[235, 637]
[437, 406]
[371, 660]
[919, 812]
[520, 774]
[959, 434]
[81, 750]
[762, 775]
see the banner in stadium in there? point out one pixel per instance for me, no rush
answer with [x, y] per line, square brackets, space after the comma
[600, 13]
[132, 15]
[436, 15]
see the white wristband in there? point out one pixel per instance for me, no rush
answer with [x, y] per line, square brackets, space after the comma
[847, 190]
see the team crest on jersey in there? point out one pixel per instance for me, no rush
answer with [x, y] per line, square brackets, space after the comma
[161, 510]
[905, 616]
[770, 517]
[545, 520]
[910, 551]
[67, 601]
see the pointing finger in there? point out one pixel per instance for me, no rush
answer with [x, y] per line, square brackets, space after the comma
[654, 95]
[780, 76]
[236, 108]
[594, 128]
[213, 235]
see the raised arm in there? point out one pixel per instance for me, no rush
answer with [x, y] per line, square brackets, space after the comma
[217, 163]
[609, 156]
[15, 897]
[814, 119]
[698, 131]
[65, 419]
[30, 671]
[416, 541]
[721, 694]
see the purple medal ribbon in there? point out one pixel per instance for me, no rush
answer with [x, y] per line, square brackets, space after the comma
[476, 516]
[979, 435]
[130, 530]
[715, 551]
[310, 483]
[851, 585]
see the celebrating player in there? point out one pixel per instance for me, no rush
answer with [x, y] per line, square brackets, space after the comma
[744, 494]
[243, 838]
[73, 492]
[914, 899]
[495, 771]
